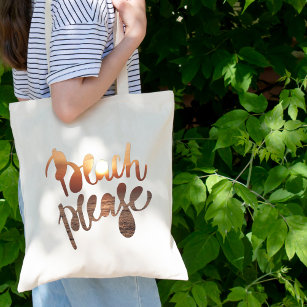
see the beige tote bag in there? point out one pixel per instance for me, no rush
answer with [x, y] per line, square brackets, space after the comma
[97, 192]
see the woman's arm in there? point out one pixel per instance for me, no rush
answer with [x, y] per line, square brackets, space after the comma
[72, 97]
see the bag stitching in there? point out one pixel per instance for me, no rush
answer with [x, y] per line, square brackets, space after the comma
[137, 290]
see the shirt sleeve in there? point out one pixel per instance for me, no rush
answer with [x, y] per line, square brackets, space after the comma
[20, 80]
[80, 32]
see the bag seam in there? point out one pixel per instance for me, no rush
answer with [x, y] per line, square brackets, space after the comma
[138, 291]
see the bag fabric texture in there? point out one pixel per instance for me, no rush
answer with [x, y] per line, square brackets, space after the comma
[98, 191]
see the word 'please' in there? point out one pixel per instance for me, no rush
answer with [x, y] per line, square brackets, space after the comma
[107, 206]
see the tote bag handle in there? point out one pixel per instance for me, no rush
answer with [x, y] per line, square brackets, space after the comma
[121, 84]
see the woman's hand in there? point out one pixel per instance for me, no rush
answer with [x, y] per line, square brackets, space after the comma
[133, 15]
[72, 97]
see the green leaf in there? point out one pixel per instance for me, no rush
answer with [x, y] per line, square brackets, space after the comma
[15, 160]
[276, 237]
[1, 70]
[190, 69]
[294, 99]
[5, 150]
[296, 240]
[254, 57]
[297, 4]
[9, 186]
[206, 67]
[247, 4]
[248, 197]
[5, 299]
[211, 4]
[186, 302]
[225, 211]
[275, 144]
[7, 94]
[252, 102]
[11, 235]
[265, 263]
[229, 72]
[181, 197]
[293, 111]
[205, 169]
[292, 140]
[198, 194]
[194, 151]
[276, 176]
[252, 300]
[222, 61]
[200, 249]
[222, 190]
[200, 295]
[274, 5]
[254, 129]
[299, 169]
[212, 271]
[4, 213]
[226, 155]
[183, 299]
[5, 286]
[236, 294]
[293, 124]
[280, 195]
[184, 177]
[264, 216]
[181, 286]
[165, 287]
[232, 119]
[295, 184]
[227, 137]
[212, 180]
[303, 45]
[4, 110]
[8, 253]
[259, 176]
[233, 248]
[179, 296]
[179, 221]
[274, 118]
[287, 209]
[232, 2]
[213, 291]
[243, 77]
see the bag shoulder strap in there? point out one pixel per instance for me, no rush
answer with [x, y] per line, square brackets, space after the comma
[121, 84]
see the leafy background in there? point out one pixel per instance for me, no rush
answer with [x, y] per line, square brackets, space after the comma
[238, 70]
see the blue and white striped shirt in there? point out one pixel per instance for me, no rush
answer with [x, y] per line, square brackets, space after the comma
[82, 35]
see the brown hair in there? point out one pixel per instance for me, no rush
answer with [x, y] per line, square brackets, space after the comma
[15, 19]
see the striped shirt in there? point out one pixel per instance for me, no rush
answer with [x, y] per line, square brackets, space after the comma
[82, 35]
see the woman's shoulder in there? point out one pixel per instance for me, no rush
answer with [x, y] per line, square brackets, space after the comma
[69, 12]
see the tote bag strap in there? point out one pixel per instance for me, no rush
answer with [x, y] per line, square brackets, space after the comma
[121, 84]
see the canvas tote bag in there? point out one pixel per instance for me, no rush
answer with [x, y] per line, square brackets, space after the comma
[98, 191]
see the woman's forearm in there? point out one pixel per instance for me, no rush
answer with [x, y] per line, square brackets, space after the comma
[72, 97]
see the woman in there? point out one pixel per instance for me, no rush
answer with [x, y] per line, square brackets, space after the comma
[83, 68]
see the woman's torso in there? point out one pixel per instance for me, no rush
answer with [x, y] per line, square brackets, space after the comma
[80, 31]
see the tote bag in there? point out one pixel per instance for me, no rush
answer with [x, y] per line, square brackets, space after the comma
[98, 191]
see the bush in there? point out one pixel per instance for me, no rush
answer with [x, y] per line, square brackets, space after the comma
[238, 70]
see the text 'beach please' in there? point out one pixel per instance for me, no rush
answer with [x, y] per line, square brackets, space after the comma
[81, 177]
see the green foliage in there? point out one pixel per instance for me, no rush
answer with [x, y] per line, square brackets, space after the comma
[12, 245]
[238, 70]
